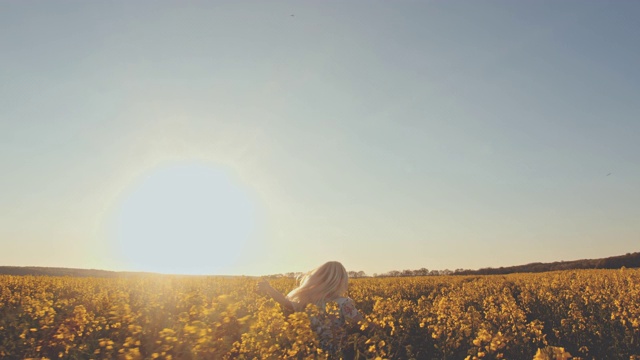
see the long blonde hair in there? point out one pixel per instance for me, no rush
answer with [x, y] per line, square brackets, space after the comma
[320, 285]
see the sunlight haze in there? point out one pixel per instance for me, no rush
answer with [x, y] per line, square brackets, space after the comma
[257, 138]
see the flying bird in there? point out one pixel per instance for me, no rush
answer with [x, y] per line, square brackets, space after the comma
[608, 174]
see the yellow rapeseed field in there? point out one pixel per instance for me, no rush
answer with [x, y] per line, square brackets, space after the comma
[586, 314]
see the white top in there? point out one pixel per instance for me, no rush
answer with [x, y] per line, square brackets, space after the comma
[330, 325]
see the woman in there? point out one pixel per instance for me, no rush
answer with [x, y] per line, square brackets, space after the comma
[325, 285]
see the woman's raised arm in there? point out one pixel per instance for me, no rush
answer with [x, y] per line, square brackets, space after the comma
[265, 288]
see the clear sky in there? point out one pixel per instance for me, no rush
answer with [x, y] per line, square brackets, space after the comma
[239, 137]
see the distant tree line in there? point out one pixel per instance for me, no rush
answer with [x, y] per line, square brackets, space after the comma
[629, 260]
[57, 271]
[419, 272]
[362, 274]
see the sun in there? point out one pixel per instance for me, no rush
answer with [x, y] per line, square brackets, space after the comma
[184, 219]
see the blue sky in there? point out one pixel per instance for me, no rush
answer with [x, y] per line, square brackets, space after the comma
[267, 137]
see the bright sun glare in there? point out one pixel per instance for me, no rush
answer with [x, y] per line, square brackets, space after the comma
[184, 219]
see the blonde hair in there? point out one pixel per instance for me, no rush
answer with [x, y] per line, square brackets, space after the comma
[320, 285]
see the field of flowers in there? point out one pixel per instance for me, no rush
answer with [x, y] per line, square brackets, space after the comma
[589, 314]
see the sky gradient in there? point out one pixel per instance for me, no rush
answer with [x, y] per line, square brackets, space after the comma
[254, 138]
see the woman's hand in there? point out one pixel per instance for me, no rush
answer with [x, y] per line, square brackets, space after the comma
[264, 287]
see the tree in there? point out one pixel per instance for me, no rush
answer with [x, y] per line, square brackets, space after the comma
[356, 274]
[393, 273]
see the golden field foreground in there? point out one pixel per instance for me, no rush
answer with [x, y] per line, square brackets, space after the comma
[591, 314]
